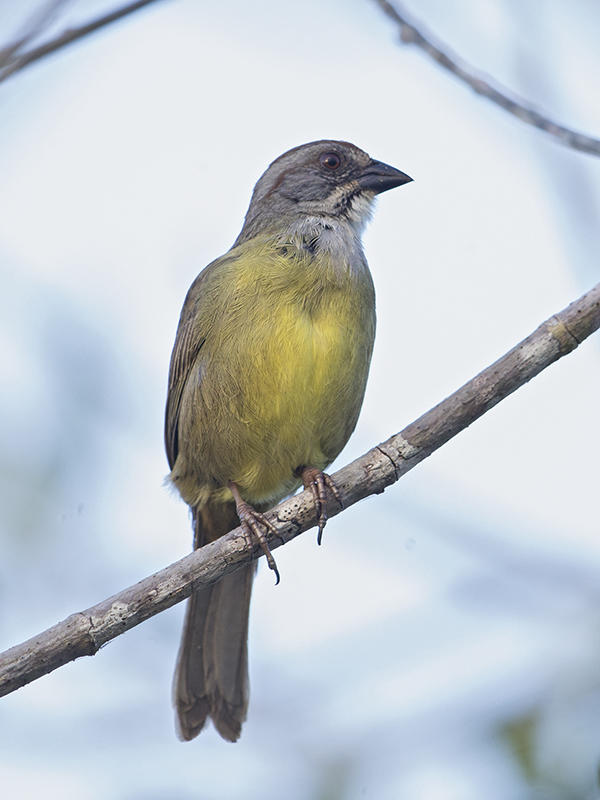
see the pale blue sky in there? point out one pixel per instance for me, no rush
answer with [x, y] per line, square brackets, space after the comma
[464, 596]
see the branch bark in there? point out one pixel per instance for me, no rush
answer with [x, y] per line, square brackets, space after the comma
[12, 60]
[411, 34]
[85, 632]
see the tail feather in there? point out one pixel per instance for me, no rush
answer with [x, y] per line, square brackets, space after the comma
[211, 676]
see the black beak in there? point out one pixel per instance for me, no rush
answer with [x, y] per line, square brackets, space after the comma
[379, 177]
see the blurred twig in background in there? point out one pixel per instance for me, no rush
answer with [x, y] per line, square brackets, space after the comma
[14, 58]
[85, 632]
[33, 27]
[411, 34]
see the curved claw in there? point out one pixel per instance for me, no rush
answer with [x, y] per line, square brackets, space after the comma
[252, 523]
[319, 483]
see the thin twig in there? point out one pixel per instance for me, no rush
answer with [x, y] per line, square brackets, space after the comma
[32, 28]
[22, 60]
[411, 34]
[85, 632]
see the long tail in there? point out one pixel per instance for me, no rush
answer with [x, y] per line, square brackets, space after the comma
[211, 676]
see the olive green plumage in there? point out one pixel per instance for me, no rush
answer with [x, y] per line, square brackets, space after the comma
[281, 343]
[267, 376]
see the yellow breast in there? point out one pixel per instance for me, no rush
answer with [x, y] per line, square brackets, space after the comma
[283, 369]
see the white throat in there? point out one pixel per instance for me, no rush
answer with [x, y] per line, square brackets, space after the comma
[335, 236]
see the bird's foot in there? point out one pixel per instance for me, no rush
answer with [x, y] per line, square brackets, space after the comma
[252, 523]
[319, 483]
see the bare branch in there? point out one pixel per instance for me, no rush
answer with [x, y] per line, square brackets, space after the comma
[410, 34]
[85, 632]
[12, 60]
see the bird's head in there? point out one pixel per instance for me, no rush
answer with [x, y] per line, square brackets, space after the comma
[327, 179]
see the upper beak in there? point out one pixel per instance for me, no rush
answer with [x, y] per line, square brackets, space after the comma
[379, 177]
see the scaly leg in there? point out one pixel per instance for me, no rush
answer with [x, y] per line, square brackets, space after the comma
[319, 482]
[251, 522]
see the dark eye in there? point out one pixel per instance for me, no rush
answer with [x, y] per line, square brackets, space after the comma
[330, 160]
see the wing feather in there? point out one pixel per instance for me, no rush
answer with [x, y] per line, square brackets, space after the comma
[188, 343]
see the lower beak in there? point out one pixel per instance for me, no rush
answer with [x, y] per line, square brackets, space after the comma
[379, 177]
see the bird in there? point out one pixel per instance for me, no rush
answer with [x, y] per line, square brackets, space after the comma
[266, 381]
